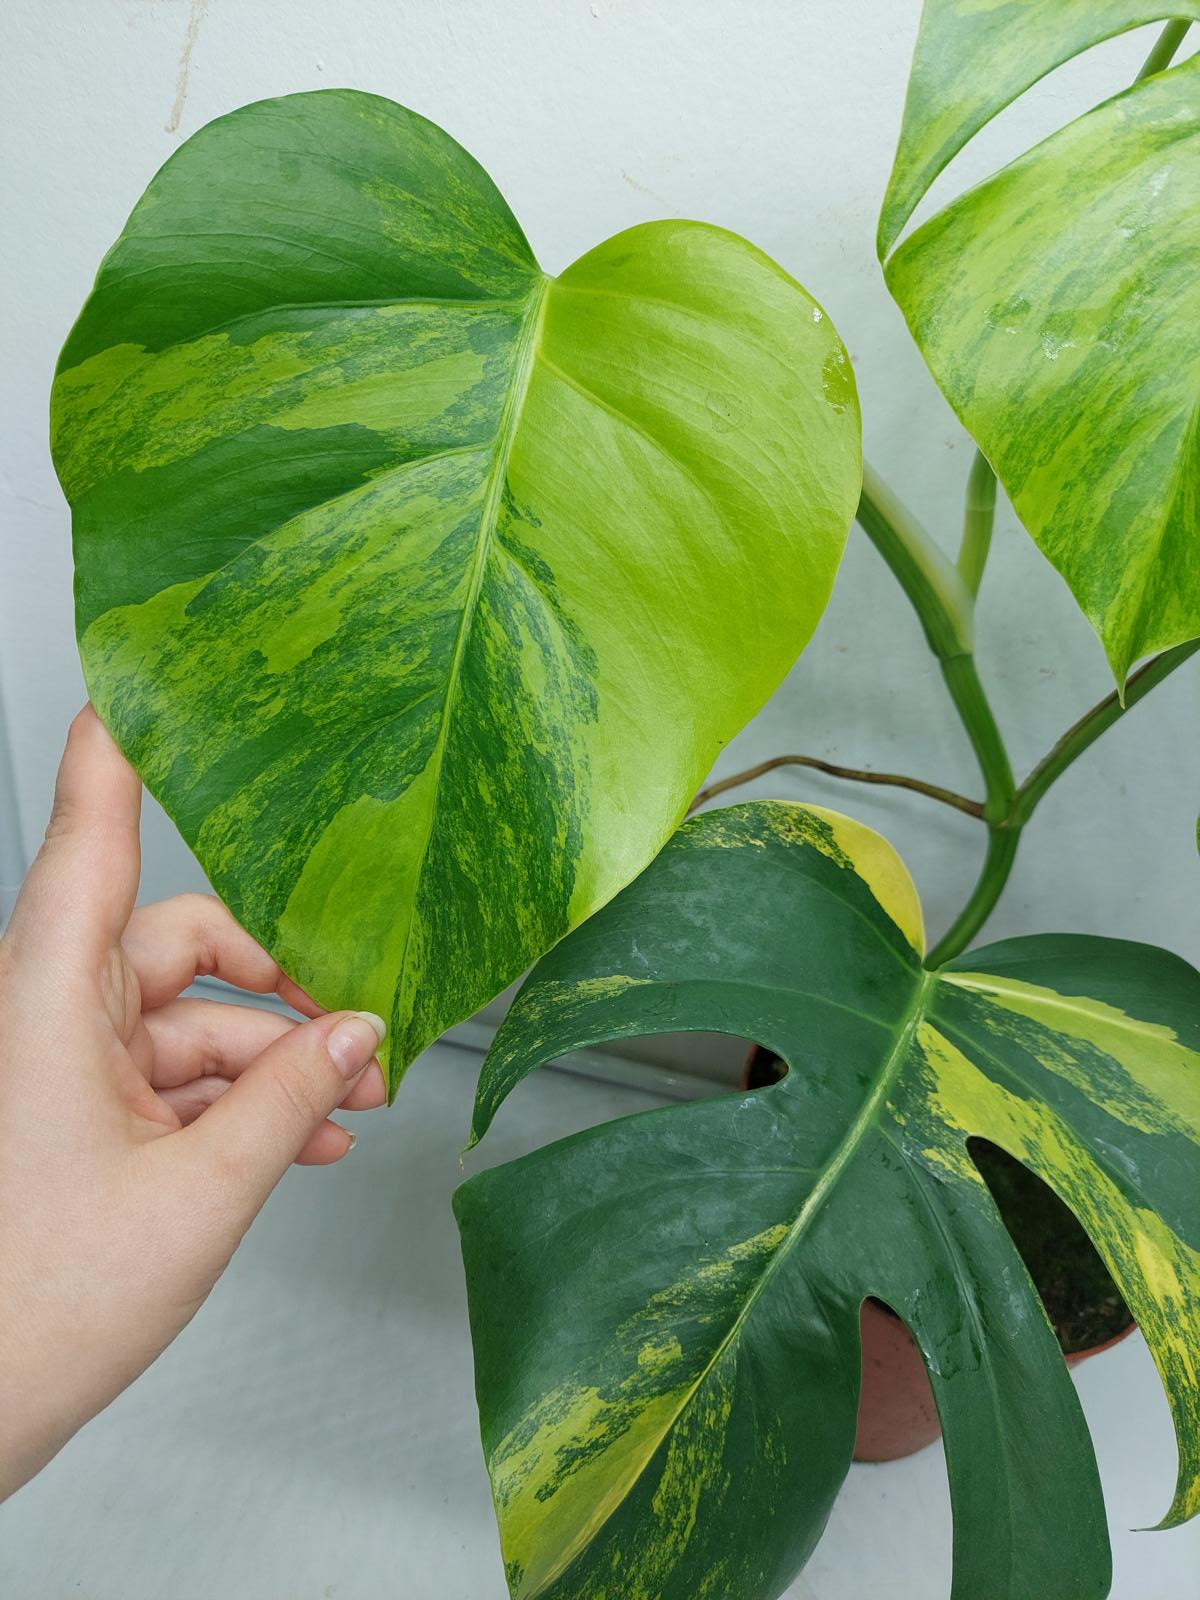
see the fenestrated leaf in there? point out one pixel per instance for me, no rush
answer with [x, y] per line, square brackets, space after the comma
[972, 59]
[422, 588]
[1058, 307]
[665, 1309]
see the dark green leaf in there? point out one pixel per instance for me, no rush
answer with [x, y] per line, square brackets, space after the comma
[665, 1309]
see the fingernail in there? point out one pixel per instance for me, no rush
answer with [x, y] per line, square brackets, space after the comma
[354, 1041]
[353, 1138]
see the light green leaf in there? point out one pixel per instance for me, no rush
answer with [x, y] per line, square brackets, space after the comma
[973, 58]
[1058, 307]
[666, 1308]
[423, 588]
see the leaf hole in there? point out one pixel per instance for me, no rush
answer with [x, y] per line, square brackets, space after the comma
[1083, 1302]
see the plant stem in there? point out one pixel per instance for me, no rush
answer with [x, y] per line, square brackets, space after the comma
[931, 582]
[1004, 832]
[1092, 724]
[979, 514]
[962, 680]
[944, 605]
[1164, 50]
[934, 791]
[998, 863]
[973, 708]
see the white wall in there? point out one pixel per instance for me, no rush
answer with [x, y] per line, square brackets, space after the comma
[771, 117]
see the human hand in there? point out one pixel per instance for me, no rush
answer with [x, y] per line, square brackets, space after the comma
[139, 1133]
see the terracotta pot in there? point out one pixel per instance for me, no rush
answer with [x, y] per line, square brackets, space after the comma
[896, 1411]
[1077, 1356]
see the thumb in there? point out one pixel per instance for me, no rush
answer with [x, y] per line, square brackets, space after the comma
[258, 1127]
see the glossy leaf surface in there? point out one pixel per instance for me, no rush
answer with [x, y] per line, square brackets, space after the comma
[422, 588]
[972, 59]
[666, 1308]
[1058, 306]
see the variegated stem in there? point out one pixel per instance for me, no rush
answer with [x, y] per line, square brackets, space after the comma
[979, 514]
[1165, 46]
[944, 605]
[944, 602]
[971, 702]
[931, 582]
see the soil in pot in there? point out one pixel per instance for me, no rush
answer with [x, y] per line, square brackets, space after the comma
[1082, 1301]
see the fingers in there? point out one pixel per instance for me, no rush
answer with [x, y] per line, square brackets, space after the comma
[200, 1046]
[193, 935]
[206, 1038]
[263, 1122]
[368, 1093]
[82, 886]
[327, 1145]
[191, 1100]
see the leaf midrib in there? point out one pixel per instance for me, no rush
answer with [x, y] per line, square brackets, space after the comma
[816, 1197]
[527, 343]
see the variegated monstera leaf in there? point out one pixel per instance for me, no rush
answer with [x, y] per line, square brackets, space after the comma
[666, 1308]
[423, 588]
[1058, 303]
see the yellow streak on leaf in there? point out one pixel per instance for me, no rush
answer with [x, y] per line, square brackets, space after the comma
[880, 867]
[568, 1465]
[549, 1511]
[1148, 1053]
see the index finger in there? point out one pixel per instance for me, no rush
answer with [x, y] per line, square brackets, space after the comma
[173, 942]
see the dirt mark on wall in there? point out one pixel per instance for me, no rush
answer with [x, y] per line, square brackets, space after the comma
[195, 17]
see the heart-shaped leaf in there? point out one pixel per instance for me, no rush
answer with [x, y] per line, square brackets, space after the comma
[1058, 307]
[666, 1308]
[423, 588]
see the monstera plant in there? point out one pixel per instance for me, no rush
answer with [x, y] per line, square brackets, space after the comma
[417, 585]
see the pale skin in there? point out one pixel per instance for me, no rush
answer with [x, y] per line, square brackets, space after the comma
[140, 1133]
